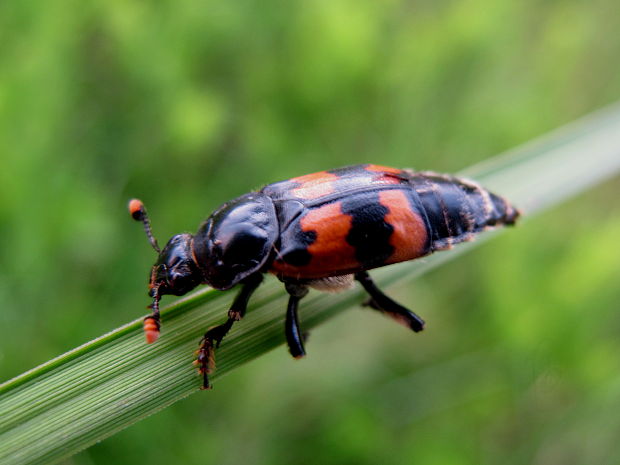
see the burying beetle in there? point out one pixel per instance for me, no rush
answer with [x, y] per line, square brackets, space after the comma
[321, 230]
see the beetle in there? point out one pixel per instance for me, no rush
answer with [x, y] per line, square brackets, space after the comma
[323, 230]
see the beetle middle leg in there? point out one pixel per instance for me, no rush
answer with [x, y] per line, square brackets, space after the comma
[213, 337]
[380, 301]
[294, 337]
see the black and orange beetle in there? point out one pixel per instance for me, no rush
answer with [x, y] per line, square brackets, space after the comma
[322, 230]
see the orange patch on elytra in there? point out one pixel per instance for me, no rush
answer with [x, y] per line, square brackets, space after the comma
[409, 236]
[383, 169]
[314, 185]
[330, 251]
[386, 175]
[388, 178]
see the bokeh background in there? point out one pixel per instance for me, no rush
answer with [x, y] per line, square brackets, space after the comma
[186, 104]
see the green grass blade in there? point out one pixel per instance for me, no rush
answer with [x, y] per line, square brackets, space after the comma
[88, 394]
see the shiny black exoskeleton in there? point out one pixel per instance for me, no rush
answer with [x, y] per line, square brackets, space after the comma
[322, 230]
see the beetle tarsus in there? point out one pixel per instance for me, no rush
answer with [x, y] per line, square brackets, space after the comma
[381, 302]
[206, 360]
[211, 341]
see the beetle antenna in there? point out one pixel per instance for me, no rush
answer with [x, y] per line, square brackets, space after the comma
[151, 324]
[138, 213]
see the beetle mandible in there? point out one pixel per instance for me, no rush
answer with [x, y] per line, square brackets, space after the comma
[321, 230]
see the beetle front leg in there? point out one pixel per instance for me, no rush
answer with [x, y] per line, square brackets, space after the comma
[380, 301]
[205, 359]
[240, 304]
[294, 338]
[212, 339]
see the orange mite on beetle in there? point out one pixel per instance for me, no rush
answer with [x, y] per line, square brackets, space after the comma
[322, 230]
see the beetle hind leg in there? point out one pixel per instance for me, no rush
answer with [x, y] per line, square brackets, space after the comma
[381, 302]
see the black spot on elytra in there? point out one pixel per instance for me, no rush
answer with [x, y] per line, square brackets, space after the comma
[370, 233]
[297, 253]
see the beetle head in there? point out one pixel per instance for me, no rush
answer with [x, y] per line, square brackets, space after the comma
[175, 271]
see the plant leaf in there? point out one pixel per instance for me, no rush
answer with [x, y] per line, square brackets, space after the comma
[95, 390]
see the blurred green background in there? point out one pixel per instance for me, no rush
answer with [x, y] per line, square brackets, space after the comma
[189, 103]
